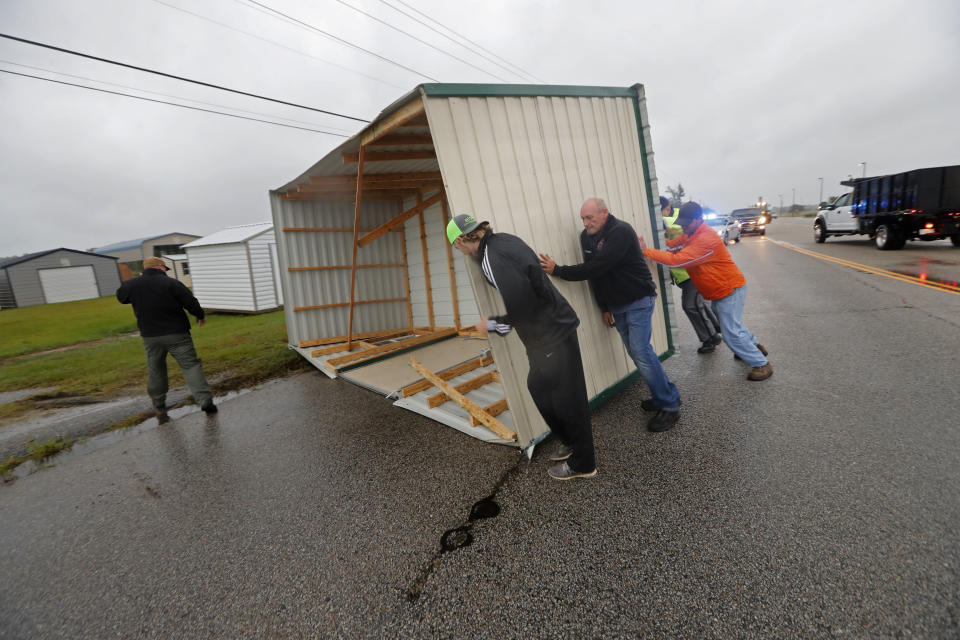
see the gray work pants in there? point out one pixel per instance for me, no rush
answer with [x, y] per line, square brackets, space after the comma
[180, 346]
[701, 316]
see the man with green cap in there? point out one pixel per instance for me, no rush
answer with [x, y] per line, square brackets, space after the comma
[547, 326]
[704, 322]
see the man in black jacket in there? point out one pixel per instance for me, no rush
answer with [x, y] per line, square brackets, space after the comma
[626, 295]
[547, 326]
[158, 302]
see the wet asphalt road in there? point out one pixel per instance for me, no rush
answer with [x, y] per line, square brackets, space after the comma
[823, 502]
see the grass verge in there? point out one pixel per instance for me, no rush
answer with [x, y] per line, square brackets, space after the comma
[238, 350]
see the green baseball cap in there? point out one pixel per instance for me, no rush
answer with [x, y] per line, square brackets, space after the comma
[461, 224]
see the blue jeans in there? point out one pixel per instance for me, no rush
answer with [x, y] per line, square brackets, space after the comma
[633, 321]
[741, 341]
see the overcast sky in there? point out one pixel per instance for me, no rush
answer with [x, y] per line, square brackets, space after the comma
[745, 98]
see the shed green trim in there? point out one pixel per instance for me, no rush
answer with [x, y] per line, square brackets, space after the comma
[654, 217]
[443, 90]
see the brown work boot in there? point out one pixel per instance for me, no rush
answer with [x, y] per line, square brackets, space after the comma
[760, 373]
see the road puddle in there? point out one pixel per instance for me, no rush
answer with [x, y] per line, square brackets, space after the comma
[108, 438]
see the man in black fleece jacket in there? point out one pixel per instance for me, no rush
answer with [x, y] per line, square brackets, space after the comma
[158, 303]
[624, 290]
[547, 326]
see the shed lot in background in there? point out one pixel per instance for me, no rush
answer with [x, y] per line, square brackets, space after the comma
[179, 268]
[366, 268]
[57, 275]
[236, 269]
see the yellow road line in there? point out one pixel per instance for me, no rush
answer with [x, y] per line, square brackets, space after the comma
[893, 275]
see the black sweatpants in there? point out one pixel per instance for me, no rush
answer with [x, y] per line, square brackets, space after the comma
[559, 390]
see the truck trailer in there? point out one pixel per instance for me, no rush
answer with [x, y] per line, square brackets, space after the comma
[923, 204]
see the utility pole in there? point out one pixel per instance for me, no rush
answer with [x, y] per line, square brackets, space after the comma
[781, 204]
[821, 189]
[794, 190]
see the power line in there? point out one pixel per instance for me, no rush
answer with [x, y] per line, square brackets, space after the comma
[340, 40]
[166, 95]
[168, 75]
[172, 104]
[277, 44]
[479, 46]
[437, 31]
[409, 35]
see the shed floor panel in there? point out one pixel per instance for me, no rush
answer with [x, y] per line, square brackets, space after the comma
[390, 374]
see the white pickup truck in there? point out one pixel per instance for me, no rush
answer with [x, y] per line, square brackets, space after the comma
[836, 219]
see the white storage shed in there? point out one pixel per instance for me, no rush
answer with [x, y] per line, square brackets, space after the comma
[374, 290]
[236, 269]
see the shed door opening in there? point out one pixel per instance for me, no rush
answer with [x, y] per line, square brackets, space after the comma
[69, 283]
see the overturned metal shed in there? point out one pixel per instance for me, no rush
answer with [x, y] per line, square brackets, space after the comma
[374, 292]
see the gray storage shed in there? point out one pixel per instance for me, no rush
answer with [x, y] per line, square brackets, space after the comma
[57, 275]
[370, 282]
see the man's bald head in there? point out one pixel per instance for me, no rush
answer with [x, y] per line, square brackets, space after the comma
[594, 214]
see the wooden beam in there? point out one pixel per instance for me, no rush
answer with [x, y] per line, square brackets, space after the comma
[465, 387]
[356, 233]
[400, 219]
[447, 374]
[488, 421]
[323, 351]
[398, 139]
[326, 229]
[347, 304]
[426, 268]
[450, 266]
[379, 194]
[391, 346]
[389, 156]
[383, 334]
[406, 270]
[494, 409]
[346, 266]
[397, 119]
[373, 179]
[470, 333]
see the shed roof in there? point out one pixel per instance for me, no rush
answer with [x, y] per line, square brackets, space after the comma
[8, 262]
[136, 243]
[230, 235]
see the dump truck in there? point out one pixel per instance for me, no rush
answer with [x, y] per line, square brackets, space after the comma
[923, 204]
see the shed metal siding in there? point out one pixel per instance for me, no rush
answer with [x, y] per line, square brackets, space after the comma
[221, 277]
[261, 265]
[318, 287]
[527, 164]
[25, 280]
[442, 296]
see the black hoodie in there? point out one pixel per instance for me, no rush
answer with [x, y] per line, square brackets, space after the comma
[158, 302]
[535, 308]
[614, 265]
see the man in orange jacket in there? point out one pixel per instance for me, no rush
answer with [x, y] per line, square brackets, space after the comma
[703, 254]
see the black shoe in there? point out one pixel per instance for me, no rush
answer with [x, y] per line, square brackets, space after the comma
[663, 421]
[716, 339]
[560, 452]
[563, 471]
[209, 407]
[649, 405]
[708, 346]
